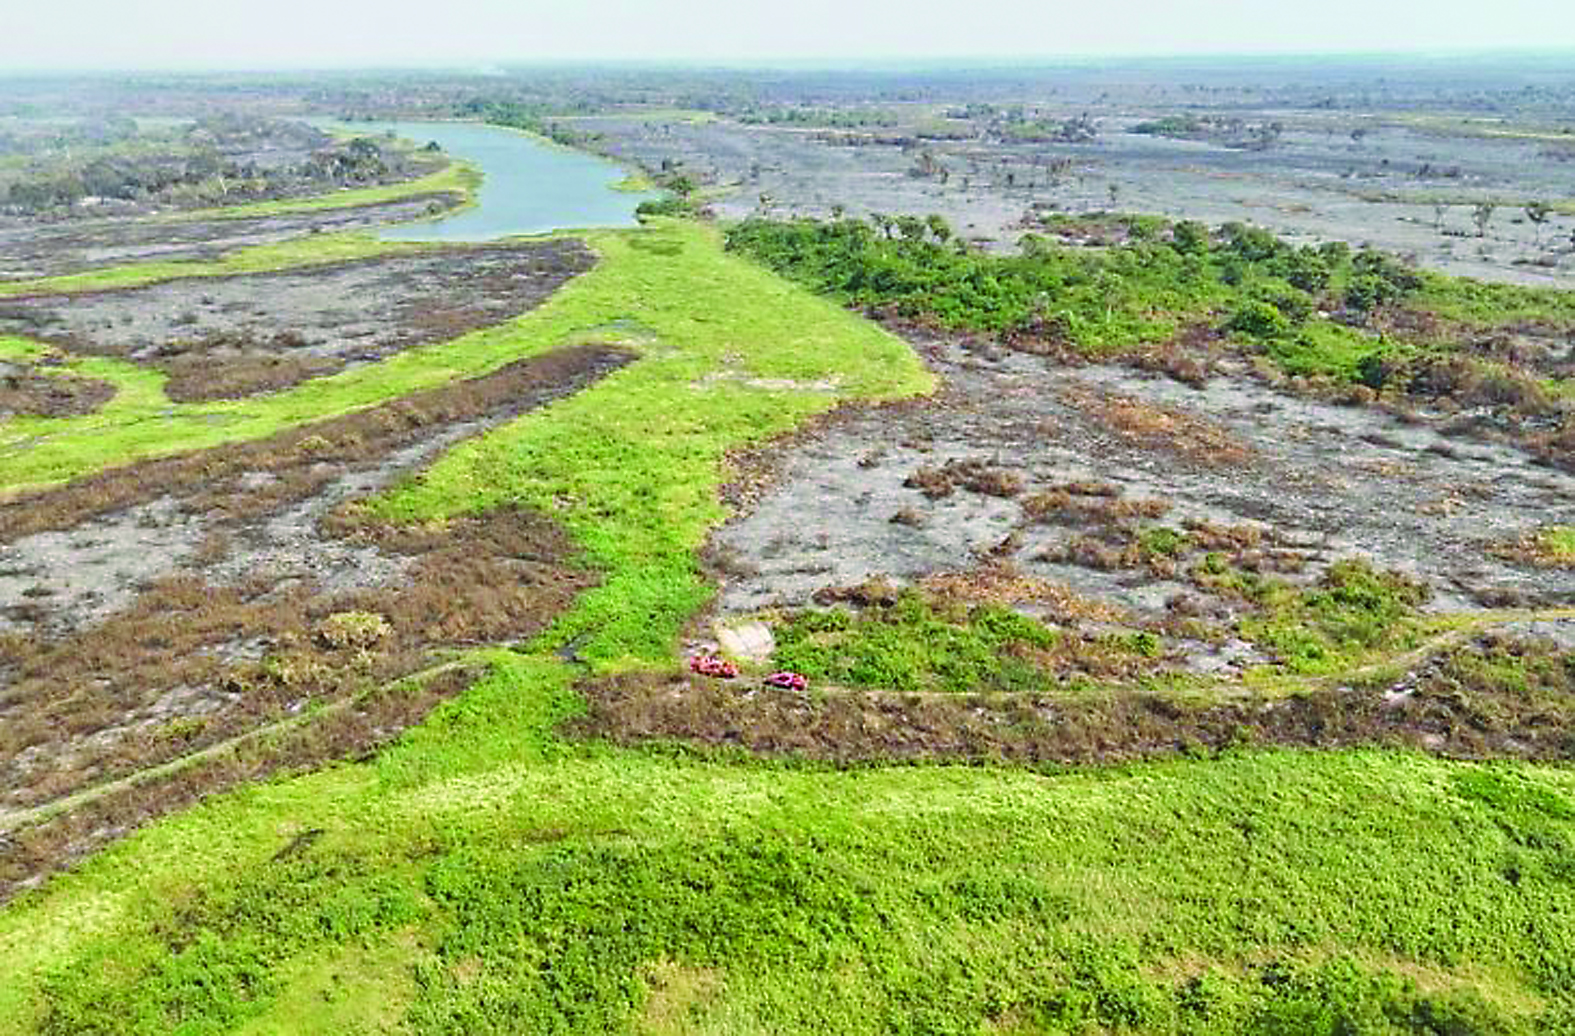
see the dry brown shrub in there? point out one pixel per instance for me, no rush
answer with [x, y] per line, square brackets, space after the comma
[972, 474]
[877, 591]
[1001, 582]
[1160, 427]
[1062, 505]
[201, 379]
[1187, 359]
[28, 393]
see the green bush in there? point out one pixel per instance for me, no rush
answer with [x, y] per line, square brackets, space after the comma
[1259, 320]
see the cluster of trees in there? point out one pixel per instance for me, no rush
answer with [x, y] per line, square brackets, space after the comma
[1099, 301]
[224, 159]
[95, 132]
[831, 118]
[1079, 130]
[531, 118]
[1225, 130]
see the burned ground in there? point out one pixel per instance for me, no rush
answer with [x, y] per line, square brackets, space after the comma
[1168, 533]
[1318, 478]
[226, 337]
[1408, 189]
[32, 249]
[180, 603]
[28, 390]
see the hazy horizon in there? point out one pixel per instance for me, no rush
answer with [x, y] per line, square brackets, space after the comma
[186, 35]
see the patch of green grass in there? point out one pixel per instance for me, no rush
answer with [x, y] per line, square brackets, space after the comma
[635, 183]
[1162, 540]
[1493, 305]
[916, 644]
[1558, 544]
[305, 251]
[1352, 615]
[1324, 348]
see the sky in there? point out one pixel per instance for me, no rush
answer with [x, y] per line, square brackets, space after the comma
[262, 34]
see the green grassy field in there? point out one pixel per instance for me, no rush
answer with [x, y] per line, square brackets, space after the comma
[485, 876]
[490, 874]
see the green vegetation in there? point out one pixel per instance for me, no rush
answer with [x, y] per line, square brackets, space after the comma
[531, 118]
[914, 642]
[1351, 612]
[917, 644]
[209, 161]
[486, 875]
[1493, 305]
[635, 183]
[1103, 301]
[534, 886]
[1229, 131]
[322, 248]
[1181, 126]
[1358, 318]
[1559, 542]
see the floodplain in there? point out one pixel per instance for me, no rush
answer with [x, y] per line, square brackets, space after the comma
[1186, 611]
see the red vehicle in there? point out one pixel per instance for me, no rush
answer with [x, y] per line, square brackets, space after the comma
[712, 665]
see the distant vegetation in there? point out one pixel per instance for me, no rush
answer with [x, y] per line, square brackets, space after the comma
[517, 115]
[216, 160]
[1226, 130]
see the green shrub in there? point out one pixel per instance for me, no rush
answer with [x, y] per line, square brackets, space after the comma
[1258, 320]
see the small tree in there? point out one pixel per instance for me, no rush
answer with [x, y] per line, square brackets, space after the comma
[1538, 212]
[1481, 215]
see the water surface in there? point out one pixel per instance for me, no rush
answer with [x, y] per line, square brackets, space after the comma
[530, 186]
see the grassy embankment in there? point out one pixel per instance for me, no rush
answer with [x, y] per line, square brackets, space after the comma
[457, 177]
[486, 876]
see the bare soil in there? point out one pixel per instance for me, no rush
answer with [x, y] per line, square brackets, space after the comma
[228, 337]
[176, 604]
